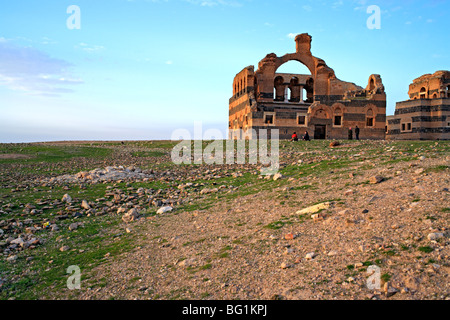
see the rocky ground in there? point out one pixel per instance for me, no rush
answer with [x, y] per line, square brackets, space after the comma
[358, 220]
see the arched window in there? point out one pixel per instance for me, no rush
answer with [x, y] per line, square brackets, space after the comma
[423, 93]
[371, 84]
[308, 91]
[337, 121]
[278, 84]
[321, 114]
[369, 118]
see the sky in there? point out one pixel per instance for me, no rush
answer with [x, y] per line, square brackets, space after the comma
[141, 69]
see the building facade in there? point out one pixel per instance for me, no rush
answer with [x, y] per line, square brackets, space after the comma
[426, 115]
[318, 102]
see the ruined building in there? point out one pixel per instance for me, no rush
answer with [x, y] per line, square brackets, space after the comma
[318, 102]
[426, 115]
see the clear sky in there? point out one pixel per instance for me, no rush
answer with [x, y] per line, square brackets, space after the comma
[139, 69]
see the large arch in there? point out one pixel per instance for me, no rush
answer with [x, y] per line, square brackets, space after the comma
[293, 67]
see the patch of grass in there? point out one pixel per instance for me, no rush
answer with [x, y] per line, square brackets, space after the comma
[41, 279]
[144, 154]
[275, 225]
[368, 263]
[51, 154]
[390, 253]
[304, 187]
[404, 247]
[385, 277]
[426, 249]
[437, 169]
[206, 266]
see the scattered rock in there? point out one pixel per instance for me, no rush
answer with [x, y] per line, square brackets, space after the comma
[85, 205]
[376, 179]
[130, 216]
[310, 255]
[435, 236]
[73, 226]
[164, 210]
[11, 259]
[334, 144]
[66, 198]
[315, 208]
[277, 176]
[289, 236]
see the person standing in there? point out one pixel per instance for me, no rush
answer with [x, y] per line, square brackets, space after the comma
[357, 133]
[350, 134]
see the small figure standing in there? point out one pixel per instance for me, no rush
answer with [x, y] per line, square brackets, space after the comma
[294, 137]
[350, 134]
[306, 136]
[357, 133]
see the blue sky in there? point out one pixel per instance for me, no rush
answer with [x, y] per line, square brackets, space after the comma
[140, 69]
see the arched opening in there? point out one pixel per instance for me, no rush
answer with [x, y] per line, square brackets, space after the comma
[308, 91]
[423, 93]
[434, 96]
[293, 67]
[337, 121]
[297, 90]
[278, 85]
[371, 84]
[369, 118]
[321, 114]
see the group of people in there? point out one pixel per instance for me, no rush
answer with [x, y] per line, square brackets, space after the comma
[295, 137]
[306, 135]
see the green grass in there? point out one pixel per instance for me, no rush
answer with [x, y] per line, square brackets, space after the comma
[206, 266]
[148, 154]
[439, 168]
[50, 154]
[275, 225]
[426, 249]
[43, 278]
[386, 277]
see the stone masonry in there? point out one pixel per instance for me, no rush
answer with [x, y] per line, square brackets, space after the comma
[318, 102]
[426, 115]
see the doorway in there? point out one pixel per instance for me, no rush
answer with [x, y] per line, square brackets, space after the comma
[320, 131]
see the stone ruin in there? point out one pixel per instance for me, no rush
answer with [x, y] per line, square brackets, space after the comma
[318, 102]
[426, 115]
